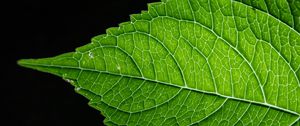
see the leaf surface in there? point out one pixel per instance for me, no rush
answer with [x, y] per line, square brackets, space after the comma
[192, 62]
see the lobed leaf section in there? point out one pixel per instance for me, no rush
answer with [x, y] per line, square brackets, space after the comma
[192, 62]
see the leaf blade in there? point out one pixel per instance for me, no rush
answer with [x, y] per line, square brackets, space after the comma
[170, 49]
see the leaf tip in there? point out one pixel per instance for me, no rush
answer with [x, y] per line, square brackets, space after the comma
[28, 63]
[37, 64]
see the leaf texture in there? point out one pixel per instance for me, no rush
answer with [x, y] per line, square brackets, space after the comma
[192, 62]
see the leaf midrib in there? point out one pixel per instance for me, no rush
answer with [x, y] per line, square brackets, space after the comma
[161, 82]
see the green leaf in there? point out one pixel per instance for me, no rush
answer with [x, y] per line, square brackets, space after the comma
[192, 62]
[288, 11]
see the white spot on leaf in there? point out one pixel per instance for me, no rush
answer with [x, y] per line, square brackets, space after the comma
[77, 88]
[91, 55]
[70, 81]
[118, 67]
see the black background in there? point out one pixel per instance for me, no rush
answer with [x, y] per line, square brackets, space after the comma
[44, 28]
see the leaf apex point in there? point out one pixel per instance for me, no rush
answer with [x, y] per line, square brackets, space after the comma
[23, 62]
[27, 63]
